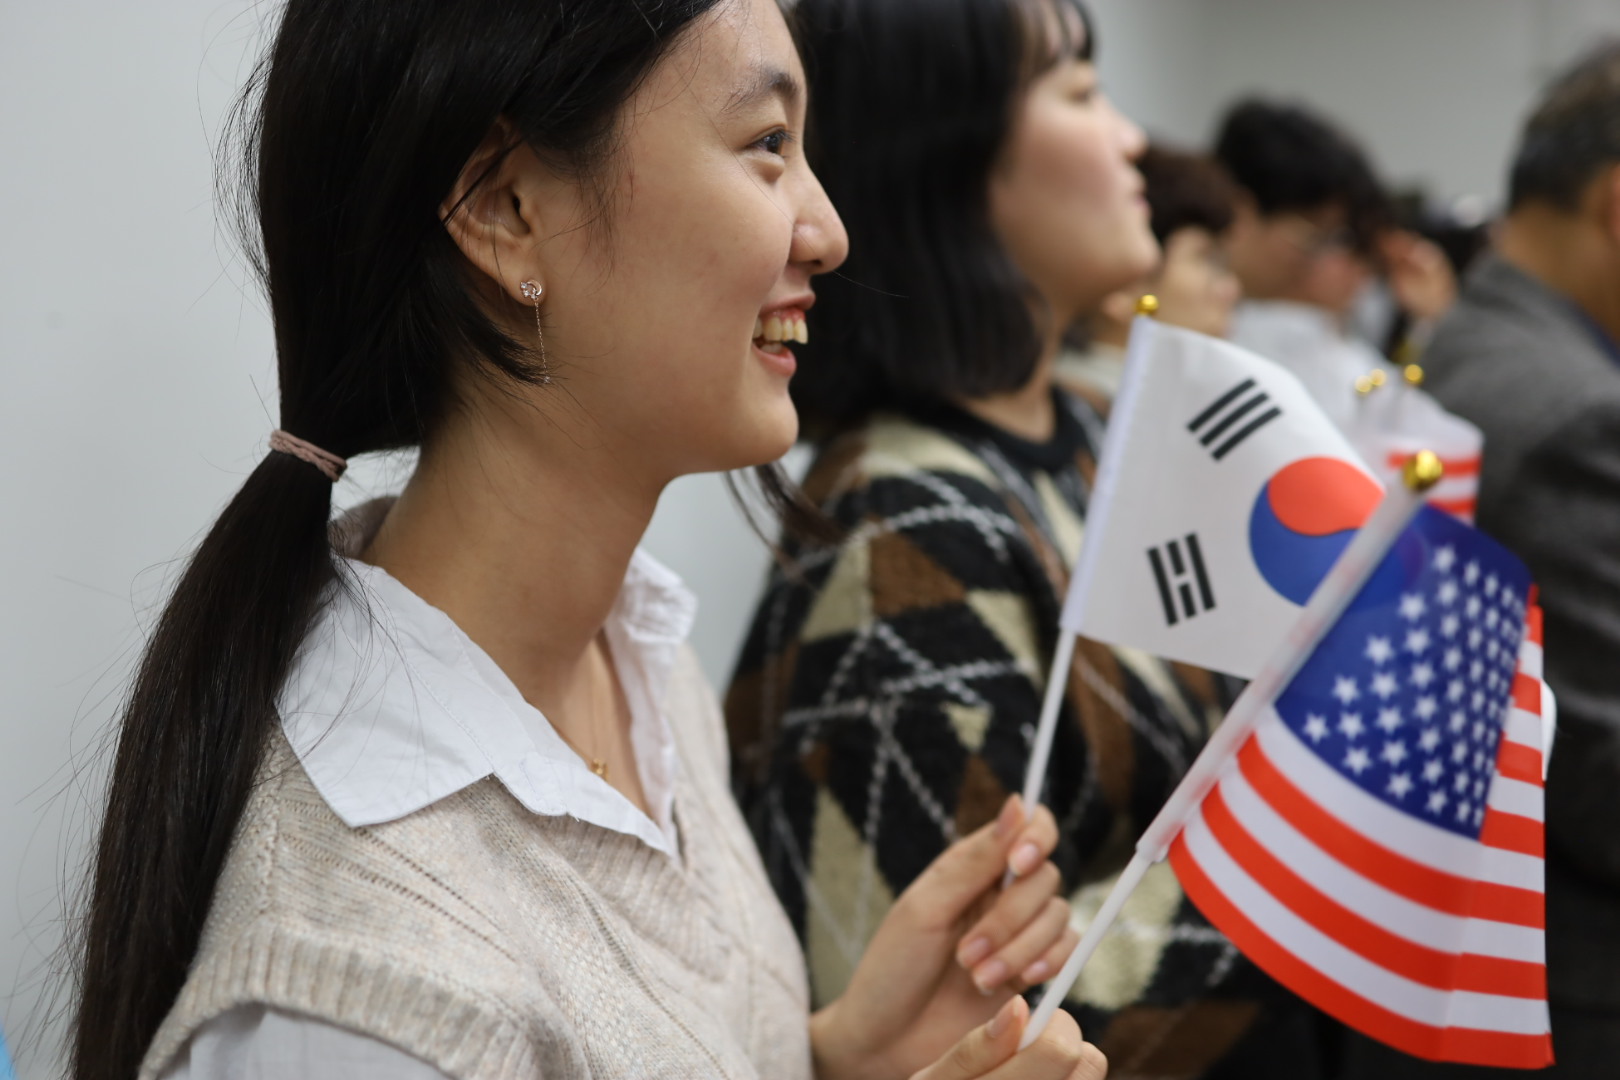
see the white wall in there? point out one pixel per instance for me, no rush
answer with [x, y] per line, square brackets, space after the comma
[138, 365]
[1434, 88]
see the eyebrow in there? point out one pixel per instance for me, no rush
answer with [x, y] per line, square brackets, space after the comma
[766, 82]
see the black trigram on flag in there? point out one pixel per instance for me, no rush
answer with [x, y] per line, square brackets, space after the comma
[1178, 567]
[1233, 417]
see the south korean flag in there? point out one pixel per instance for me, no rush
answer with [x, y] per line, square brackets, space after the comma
[1223, 496]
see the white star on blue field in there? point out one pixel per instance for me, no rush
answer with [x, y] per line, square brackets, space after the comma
[1407, 695]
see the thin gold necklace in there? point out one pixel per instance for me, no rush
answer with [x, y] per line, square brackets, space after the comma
[598, 765]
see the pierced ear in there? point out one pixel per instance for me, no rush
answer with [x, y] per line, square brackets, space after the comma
[492, 212]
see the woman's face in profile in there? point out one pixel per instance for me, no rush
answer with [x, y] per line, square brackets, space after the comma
[1066, 199]
[672, 325]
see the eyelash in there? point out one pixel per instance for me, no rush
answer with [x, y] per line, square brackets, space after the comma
[783, 138]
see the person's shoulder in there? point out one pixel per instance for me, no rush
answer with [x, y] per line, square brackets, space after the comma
[1516, 360]
[889, 453]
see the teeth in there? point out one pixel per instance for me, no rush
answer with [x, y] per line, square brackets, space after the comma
[786, 326]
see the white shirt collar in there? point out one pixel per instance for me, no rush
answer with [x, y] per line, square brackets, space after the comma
[390, 707]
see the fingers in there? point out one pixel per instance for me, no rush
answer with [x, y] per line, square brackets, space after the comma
[1050, 962]
[991, 1052]
[1059, 1054]
[968, 868]
[1034, 843]
[981, 1050]
[1025, 956]
[1017, 914]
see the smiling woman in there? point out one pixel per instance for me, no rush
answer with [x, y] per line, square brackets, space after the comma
[439, 791]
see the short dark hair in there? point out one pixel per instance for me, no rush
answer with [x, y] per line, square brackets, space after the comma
[1573, 133]
[913, 101]
[1290, 159]
[1186, 190]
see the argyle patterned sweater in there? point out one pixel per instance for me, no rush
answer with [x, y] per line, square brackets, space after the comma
[885, 703]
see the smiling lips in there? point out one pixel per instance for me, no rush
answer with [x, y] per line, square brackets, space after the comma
[787, 324]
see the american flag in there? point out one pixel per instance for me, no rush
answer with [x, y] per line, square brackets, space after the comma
[1376, 845]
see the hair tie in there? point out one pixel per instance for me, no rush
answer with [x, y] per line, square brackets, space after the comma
[328, 463]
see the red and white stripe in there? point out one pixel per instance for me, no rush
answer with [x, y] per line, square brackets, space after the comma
[1419, 937]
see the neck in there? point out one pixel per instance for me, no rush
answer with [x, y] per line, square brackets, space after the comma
[523, 540]
[1568, 255]
[1027, 411]
[1107, 331]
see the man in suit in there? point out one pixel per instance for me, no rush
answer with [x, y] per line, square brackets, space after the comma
[1531, 354]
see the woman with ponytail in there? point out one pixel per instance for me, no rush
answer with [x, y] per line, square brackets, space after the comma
[437, 790]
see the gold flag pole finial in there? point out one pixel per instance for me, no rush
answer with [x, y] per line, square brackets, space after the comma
[1413, 374]
[1422, 471]
[1147, 304]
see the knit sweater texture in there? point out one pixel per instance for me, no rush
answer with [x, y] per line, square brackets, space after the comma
[496, 943]
[886, 699]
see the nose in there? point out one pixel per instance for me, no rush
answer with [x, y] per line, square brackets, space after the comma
[820, 242]
[1132, 139]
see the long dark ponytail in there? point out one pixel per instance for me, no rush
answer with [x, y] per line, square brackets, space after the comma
[353, 132]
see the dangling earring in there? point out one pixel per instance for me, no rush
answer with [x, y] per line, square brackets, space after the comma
[532, 291]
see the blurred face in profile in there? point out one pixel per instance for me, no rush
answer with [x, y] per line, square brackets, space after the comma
[1065, 199]
[1195, 286]
[1307, 256]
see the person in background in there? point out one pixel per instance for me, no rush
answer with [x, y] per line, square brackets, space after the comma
[1531, 354]
[884, 700]
[1191, 204]
[1304, 245]
[442, 792]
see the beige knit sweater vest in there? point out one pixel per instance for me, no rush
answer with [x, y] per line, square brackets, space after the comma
[496, 943]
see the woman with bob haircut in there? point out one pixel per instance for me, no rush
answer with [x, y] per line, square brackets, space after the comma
[886, 695]
[441, 792]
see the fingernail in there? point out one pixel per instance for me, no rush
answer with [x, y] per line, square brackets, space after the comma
[974, 951]
[1025, 859]
[1036, 972]
[1011, 814]
[989, 975]
[1003, 1018]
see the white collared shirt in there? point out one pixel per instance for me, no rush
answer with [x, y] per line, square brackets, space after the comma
[1308, 341]
[390, 707]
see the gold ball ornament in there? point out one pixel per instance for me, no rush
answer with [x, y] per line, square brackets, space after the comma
[1422, 470]
[1147, 304]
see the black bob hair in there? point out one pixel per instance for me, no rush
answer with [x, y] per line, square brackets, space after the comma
[912, 103]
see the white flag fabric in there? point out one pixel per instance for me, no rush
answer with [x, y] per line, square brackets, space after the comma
[1224, 495]
[1394, 422]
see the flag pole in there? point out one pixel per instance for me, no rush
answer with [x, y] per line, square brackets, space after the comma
[1057, 679]
[1343, 582]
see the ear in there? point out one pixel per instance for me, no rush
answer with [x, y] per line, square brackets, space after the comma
[1608, 189]
[493, 212]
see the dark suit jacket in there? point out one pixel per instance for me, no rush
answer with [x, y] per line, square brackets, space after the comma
[1522, 363]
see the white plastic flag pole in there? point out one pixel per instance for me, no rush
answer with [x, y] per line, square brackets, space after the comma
[1361, 557]
[1057, 679]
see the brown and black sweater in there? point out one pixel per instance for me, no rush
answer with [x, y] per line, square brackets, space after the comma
[886, 699]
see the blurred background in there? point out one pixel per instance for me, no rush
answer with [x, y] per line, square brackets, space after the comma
[139, 374]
